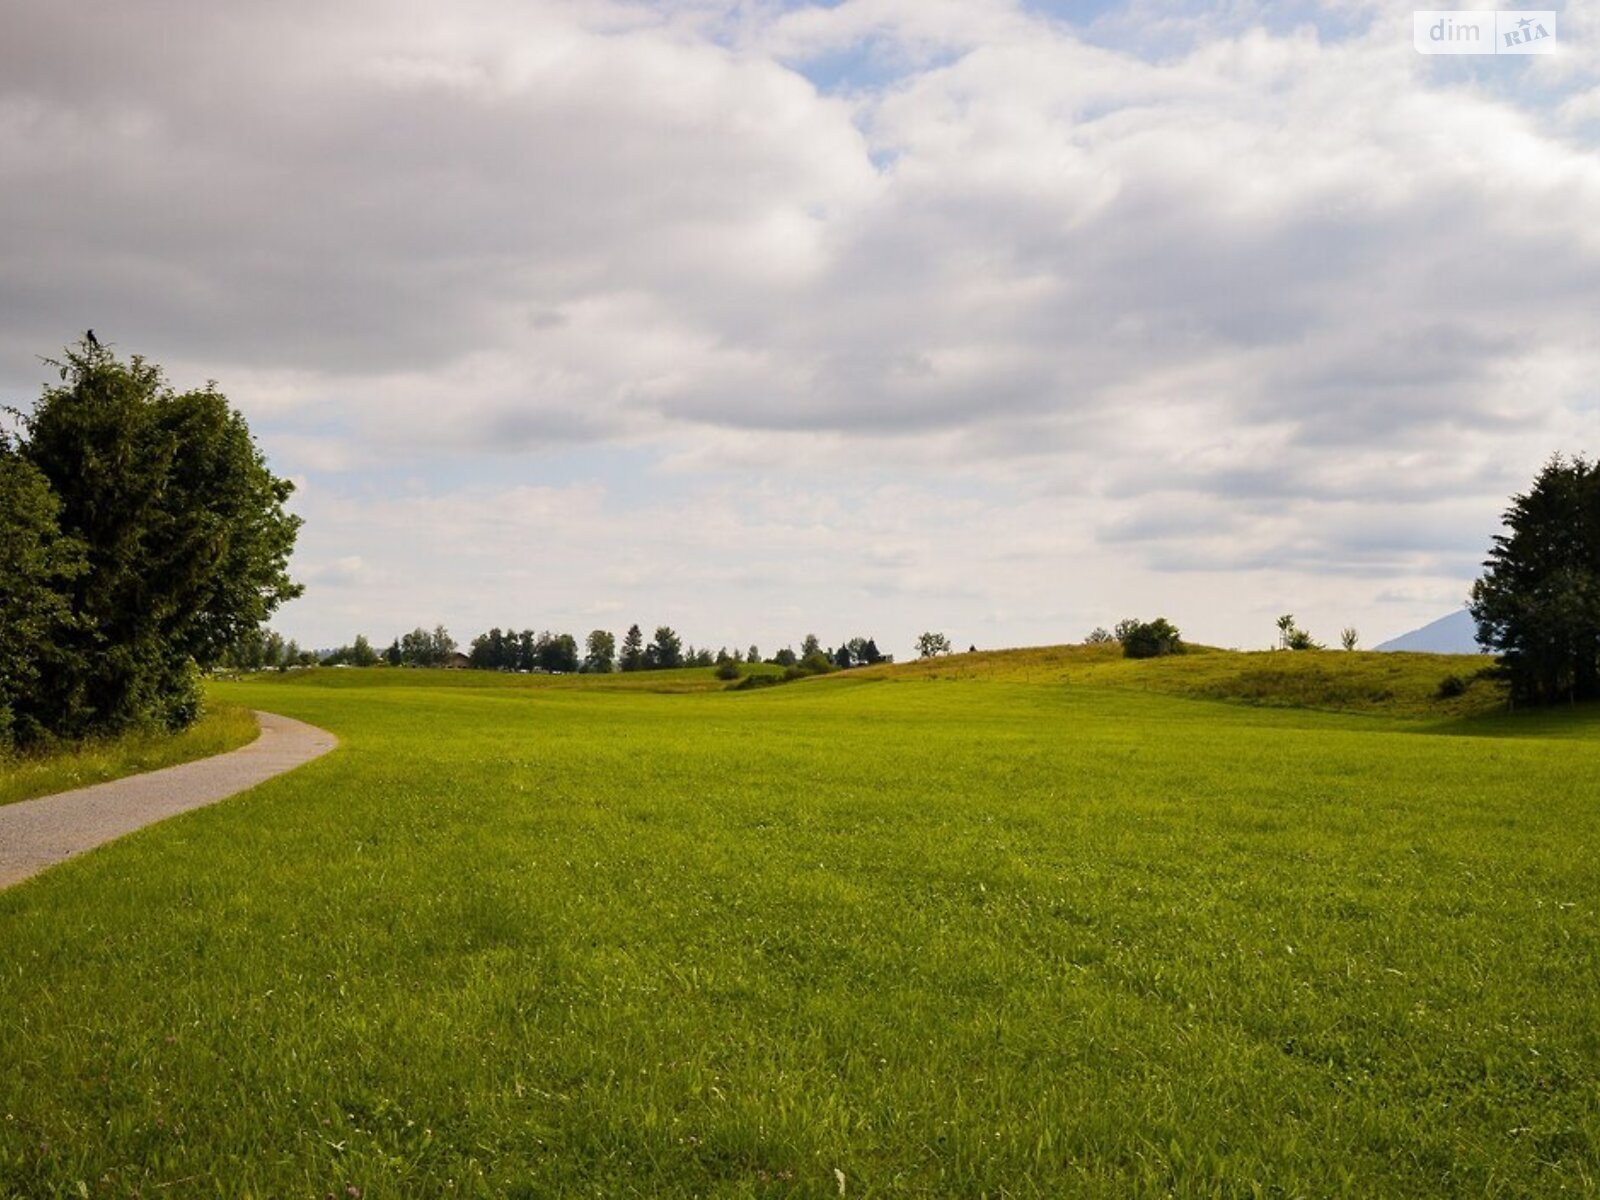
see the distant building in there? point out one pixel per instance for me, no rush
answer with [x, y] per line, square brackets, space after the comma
[456, 661]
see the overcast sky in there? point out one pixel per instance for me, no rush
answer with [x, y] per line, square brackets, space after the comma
[868, 317]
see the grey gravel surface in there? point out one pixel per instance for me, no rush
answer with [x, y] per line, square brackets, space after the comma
[35, 834]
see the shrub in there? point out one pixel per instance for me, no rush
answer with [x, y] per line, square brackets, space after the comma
[727, 669]
[1292, 637]
[1452, 686]
[1151, 639]
[817, 662]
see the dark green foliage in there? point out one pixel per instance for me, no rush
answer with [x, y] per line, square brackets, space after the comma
[728, 670]
[1099, 636]
[558, 653]
[184, 537]
[750, 682]
[785, 658]
[37, 564]
[601, 653]
[633, 649]
[1151, 639]
[419, 648]
[1538, 602]
[552, 653]
[931, 645]
[665, 652]
[866, 652]
[816, 662]
[1452, 686]
[1292, 637]
[360, 654]
[490, 651]
[857, 652]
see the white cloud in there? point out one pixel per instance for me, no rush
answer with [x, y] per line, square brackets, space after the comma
[1013, 323]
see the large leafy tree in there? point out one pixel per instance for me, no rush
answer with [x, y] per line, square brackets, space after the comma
[186, 541]
[37, 565]
[1538, 602]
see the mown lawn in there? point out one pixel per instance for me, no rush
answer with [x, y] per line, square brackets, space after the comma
[933, 936]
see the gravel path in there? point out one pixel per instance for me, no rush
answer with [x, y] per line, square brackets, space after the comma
[35, 834]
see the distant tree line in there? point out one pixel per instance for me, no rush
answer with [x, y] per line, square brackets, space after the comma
[527, 651]
[265, 650]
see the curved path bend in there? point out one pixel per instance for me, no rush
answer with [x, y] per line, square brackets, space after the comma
[35, 834]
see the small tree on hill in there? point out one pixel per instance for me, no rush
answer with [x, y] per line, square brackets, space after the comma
[1152, 639]
[931, 645]
[1348, 638]
[1292, 637]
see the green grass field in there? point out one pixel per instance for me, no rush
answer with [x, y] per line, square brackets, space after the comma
[1038, 924]
[23, 776]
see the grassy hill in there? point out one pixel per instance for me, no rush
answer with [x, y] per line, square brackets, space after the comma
[1030, 923]
[1339, 681]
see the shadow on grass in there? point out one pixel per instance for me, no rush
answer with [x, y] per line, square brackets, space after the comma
[1574, 721]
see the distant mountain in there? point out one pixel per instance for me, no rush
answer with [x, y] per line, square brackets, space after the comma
[1455, 634]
